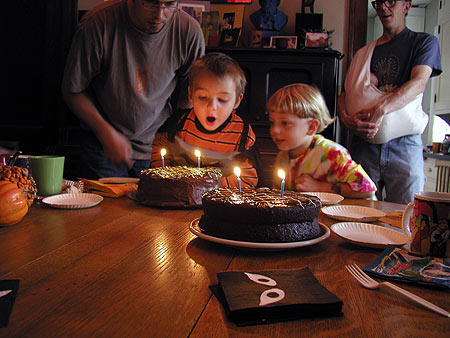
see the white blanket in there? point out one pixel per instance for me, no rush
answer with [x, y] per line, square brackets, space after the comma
[361, 94]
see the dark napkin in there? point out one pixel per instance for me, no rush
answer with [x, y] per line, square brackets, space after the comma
[7, 301]
[244, 298]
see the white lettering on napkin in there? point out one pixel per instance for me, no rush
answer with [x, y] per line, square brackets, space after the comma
[265, 299]
[261, 279]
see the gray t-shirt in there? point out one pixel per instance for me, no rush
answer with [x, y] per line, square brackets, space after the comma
[131, 74]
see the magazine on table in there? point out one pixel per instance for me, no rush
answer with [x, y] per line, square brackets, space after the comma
[399, 264]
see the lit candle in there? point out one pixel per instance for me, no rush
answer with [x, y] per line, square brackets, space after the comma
[282, 176]
[163, 152]
[237, 172]
[197, 153]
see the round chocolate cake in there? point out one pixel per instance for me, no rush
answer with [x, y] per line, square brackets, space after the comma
[177, 186]
[260, 215]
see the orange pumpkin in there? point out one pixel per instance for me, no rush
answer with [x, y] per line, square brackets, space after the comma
[13, 205]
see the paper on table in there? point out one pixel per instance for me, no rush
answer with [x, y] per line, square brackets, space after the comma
[109, 190]
[393, 218]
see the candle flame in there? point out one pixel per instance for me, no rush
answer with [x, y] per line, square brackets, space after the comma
[197, 153]
[237, 171]
[281, 174]
[163, 152]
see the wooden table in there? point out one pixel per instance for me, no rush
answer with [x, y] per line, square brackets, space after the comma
[121, 270]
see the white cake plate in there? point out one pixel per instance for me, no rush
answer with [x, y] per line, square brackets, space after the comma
[196, 230]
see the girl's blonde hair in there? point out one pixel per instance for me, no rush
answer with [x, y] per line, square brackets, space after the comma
[303, 101]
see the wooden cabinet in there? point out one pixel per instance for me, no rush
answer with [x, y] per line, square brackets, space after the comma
[267, 70]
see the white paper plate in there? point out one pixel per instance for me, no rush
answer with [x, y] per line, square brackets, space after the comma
[195, 229]
[353, 213]
[118, 180]
[370, 235]
[73, 201]
[327, 198]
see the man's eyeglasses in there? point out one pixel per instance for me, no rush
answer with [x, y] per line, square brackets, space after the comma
[156, 5]
[387, 3]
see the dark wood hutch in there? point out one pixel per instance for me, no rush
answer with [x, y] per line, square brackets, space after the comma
[269, 69]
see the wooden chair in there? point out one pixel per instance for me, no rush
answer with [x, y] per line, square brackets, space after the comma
[443, 176]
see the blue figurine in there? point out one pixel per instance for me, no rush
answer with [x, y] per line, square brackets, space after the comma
[268, 19]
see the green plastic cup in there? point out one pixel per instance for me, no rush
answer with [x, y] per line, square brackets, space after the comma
[47, 171]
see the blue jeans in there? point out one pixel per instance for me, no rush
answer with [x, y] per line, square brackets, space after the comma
[95, 166]
[396, 166]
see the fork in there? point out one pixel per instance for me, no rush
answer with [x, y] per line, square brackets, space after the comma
[369, 283]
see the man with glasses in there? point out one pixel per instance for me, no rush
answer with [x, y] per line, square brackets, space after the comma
[126, 60]
[402, 61]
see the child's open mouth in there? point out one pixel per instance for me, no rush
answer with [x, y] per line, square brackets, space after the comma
[210, 119]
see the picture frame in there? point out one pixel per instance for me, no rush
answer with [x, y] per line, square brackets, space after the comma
[283, 42]
[193, 9]
[210, 25]
[228, 9]
[319, 40]
[229, 37]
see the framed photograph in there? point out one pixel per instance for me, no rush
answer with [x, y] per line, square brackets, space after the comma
[316, 40]
[194, 10]
[230, 14]
[228, 20]
[229, 37]
[283, 42]
[211, 28]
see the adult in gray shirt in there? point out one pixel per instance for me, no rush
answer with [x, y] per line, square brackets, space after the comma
[126, 59]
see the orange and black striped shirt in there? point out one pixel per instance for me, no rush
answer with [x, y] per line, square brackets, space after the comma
[226, 138]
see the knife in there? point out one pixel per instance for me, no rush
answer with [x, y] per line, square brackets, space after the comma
[4, 293]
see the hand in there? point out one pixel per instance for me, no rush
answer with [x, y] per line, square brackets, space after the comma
[307, 183]
[367, 125]
[117, 148]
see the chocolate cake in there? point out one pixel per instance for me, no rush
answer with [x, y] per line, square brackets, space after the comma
[260, 215]
[176, 186]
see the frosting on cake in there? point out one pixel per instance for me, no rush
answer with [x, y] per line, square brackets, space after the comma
[177, 185]
[260, 215]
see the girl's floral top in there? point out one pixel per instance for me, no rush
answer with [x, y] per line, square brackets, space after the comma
[325, 161]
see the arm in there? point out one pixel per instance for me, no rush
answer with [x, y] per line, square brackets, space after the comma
[195, 40]
[116, 146]
[402, 96]
[357, 123]
[308, 183]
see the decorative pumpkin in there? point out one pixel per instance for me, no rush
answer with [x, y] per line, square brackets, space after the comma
[13, 205]
[22, 178]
